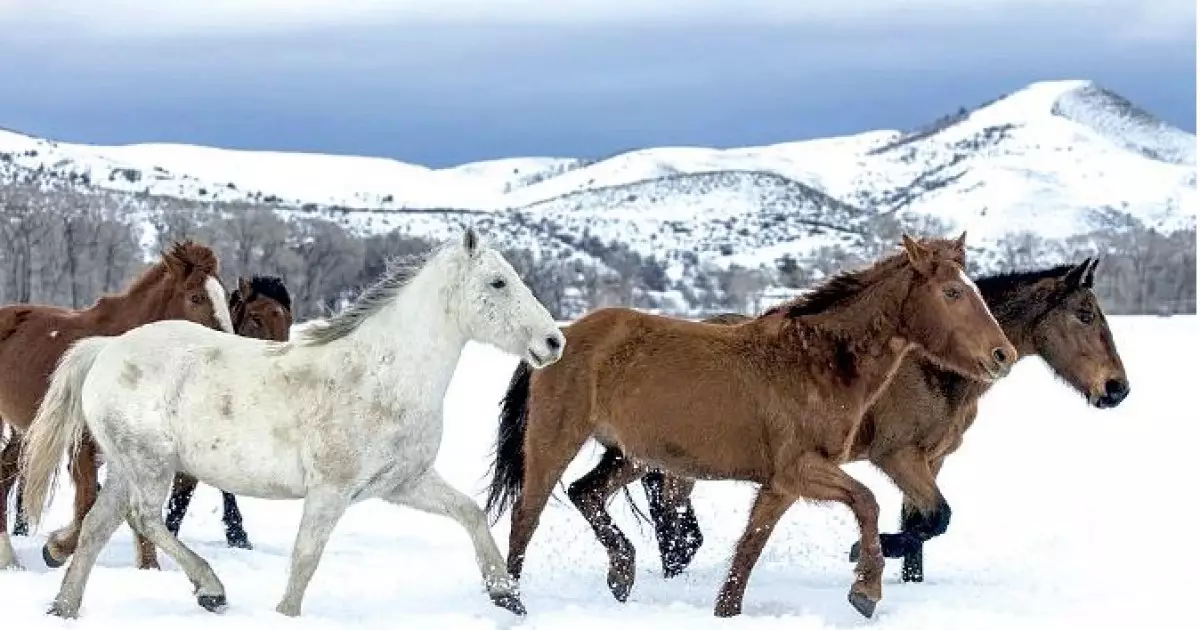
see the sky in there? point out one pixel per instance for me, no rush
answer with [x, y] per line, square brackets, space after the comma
[442, 82]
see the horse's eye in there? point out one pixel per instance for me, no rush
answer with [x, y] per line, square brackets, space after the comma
[951, 293]
[499, 283]
[197, 298]
[1085, 317]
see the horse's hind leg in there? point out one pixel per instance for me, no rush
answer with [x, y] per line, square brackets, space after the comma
[675, 525]
[322, 510]
[590, 493]
[235, 534]
[61, 543]
[8, 478]
[97, 528]
[430, 493]
[145, 514]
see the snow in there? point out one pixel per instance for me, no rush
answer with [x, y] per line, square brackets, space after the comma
[1064, 517]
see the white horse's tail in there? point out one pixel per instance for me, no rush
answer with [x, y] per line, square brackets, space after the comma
[59, 424]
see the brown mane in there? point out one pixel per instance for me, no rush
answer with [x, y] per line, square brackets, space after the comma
[846, 284]
[194, 258]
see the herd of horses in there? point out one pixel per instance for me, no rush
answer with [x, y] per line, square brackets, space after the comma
[171, 384]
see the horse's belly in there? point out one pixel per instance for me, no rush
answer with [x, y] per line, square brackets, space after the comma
[265, 476]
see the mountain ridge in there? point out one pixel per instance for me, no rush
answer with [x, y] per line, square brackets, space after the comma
[1044, 158]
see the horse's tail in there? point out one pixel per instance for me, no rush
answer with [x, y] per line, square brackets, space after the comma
[508, 466]
[59, 424]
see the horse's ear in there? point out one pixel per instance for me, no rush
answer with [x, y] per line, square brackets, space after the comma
[244, 287]
[471, 241]
[176, 267]
[1075, 277]
[1089, 276]
[961, 241]
[919, 256]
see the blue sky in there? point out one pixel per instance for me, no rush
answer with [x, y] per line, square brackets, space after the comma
[442, 82]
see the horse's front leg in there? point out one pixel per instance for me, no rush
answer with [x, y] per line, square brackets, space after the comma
[769, 506]
[913, 569]
[430, 493]
[323, 508]
[925, 514]
[821, 479]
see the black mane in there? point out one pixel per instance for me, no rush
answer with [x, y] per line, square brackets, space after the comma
[1003, 283]
[271, 287]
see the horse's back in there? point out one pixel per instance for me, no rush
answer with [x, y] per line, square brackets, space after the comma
[32, 338]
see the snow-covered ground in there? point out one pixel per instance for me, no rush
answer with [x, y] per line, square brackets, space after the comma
[1064, 517]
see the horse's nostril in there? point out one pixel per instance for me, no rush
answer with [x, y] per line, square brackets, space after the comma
[1114, 387]
[553, 343]
[1000, 355]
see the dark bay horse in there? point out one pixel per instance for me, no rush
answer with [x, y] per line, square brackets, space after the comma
[776, 401]
[262, 309]
[920, 419]
[184, 284]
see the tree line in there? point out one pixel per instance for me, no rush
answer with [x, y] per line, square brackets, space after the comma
[67, 246]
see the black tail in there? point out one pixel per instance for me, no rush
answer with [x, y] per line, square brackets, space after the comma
[508, 467]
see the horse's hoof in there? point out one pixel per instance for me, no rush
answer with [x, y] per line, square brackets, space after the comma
[49, 558]
[863, 604]
[212, 603]
[509, 602]
[59, 609]
[240, 543]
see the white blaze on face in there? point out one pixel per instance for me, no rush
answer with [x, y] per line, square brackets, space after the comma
[962, 275]
[216, 295]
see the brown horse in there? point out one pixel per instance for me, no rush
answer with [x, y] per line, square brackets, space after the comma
[183, 285]
[921, 417]
[262, 309]
[776, 401]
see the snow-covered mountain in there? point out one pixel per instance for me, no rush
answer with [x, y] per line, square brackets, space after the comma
[1039, 159]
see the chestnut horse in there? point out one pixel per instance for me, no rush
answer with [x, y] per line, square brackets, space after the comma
[777, 401]
[921, 417]
[183, 285]
[260, 308]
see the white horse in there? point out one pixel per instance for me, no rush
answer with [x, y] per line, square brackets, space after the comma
[349, 410]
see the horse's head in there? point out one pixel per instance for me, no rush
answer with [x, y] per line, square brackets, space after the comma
[497, 308]
[261, 308]
[192, 290]
[946, 316]
[1073, 337]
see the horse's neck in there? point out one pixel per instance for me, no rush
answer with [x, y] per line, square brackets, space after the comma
[113, 315]
[411, 342]
[862, 338]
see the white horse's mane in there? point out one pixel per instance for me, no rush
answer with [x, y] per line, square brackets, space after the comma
[399, 272]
